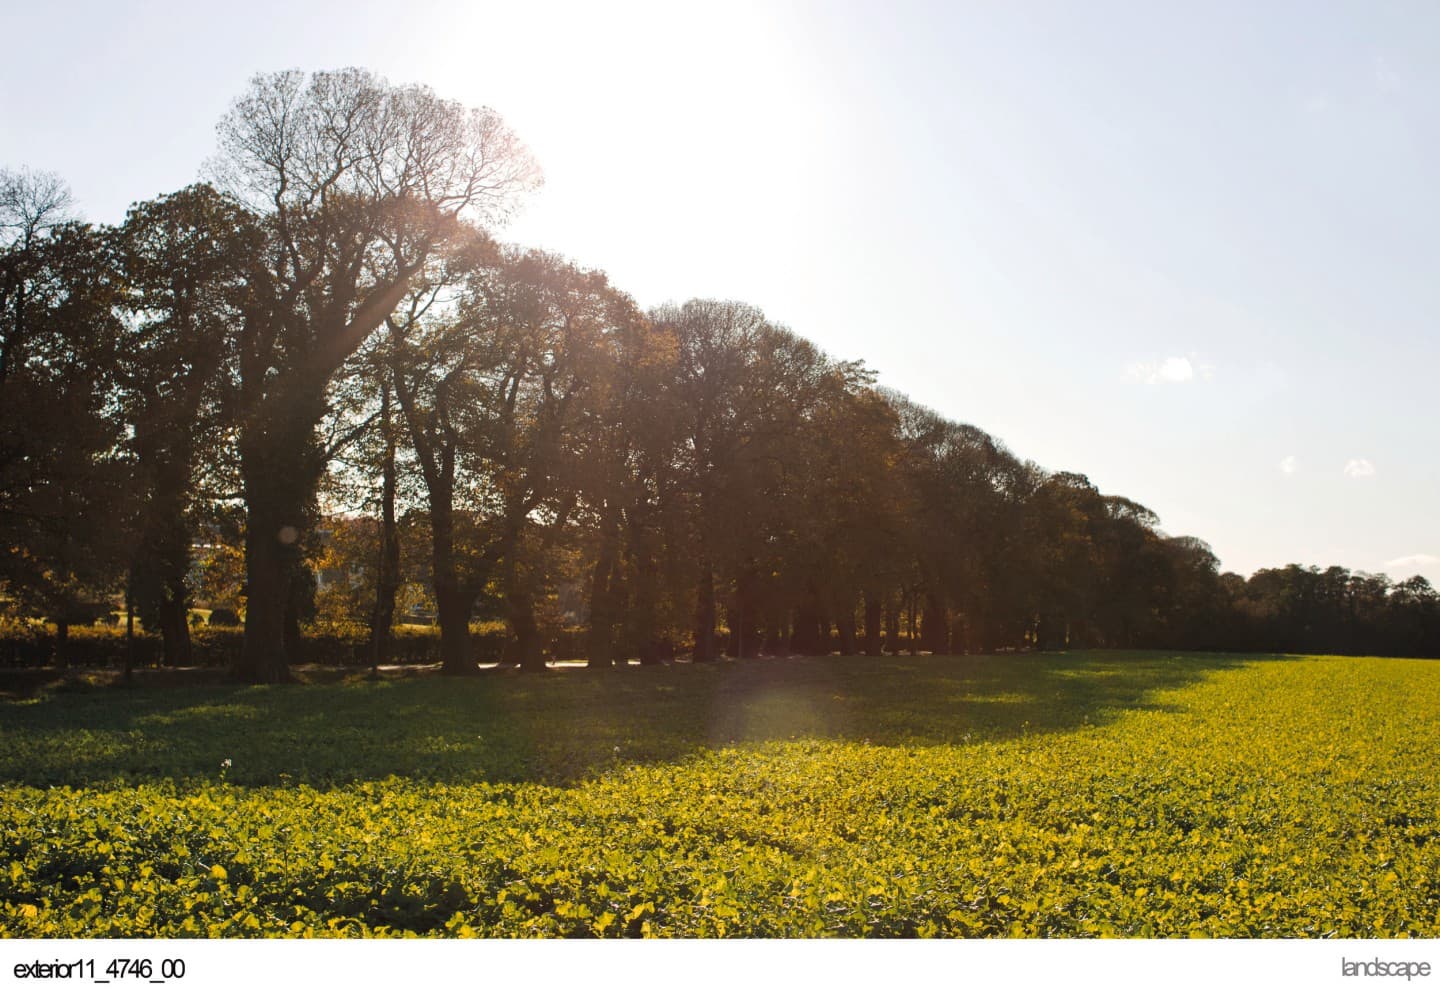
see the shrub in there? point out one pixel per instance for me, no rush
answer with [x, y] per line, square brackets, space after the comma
[218, 644]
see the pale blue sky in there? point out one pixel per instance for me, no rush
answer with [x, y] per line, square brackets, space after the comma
[1180, 248]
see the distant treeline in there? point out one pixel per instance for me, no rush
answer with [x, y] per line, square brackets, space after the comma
[329, 324]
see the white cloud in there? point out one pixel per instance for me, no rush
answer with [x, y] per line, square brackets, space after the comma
[1173, 369]
[1176, 370]
[1289, 465]
[1356, 468]
[1416, 562]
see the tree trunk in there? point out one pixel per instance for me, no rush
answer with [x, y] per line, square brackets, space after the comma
[524, 649]
[935, 625]
[744, 618]
[644, 611]
[267, 590]
[129, 630]
[872, 623]
[159, 570]
[892, 626]
[281, 464]
[810, 628]
[175, 628]
[387, 574]
[705, 616]
[452, 611]
[845, 629]
[453, 603]
[959, 635]
[601, 636]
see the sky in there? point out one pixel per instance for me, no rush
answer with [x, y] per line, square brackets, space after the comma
[1189, 250]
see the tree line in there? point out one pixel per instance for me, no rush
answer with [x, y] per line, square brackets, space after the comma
[330, 314]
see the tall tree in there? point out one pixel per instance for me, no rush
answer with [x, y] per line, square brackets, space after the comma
[740, 383]
[620, 465]
[65, 512]
[545, 322]
[356, 183]
[436, 357]
[387, 573]
[185, 259]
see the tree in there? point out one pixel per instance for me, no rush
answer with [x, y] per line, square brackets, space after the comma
[65, 512]
[617, 452]
[834, 530]
[739, 383]
[349, 570]
[963, 546]
[356, 183]
[1413, 623]
[631, 502]
[545, 324]
[1191, 600]
[435, 360]
[32, 206]
[1061, 528]
[387, 573]
[494, 359]
[183, 257]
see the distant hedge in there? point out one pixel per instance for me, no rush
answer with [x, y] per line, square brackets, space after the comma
[104, 647]
[31, 645]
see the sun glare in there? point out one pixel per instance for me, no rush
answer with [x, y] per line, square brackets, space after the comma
[672, 122]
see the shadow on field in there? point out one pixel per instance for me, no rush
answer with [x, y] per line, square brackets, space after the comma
[562, 726]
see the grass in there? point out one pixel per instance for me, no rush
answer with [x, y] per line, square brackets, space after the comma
[1065, 794]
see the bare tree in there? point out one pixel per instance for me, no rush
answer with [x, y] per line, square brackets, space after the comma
[31, 202]
[356, 182]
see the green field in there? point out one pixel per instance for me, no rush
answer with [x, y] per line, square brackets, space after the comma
[1065, 794]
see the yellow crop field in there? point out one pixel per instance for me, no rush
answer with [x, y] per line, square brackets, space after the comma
[1104, 794]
